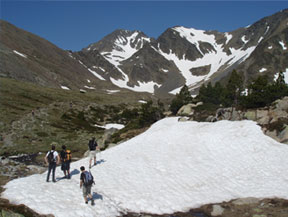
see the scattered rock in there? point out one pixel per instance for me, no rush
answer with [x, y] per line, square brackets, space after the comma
[183, 119]
[245, 201]
[217, 210]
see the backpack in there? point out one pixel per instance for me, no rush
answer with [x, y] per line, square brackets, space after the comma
[92, 145]
[50, 157]
[89, 179]
[68, 155]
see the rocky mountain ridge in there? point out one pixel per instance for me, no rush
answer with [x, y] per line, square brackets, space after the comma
[189, 56]
[132, 60]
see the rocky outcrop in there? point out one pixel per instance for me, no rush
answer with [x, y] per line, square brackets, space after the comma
[188, 110]
[272, 119]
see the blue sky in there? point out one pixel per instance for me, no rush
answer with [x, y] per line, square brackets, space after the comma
[73, 25]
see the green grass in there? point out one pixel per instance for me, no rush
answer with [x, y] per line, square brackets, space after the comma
[54, 119]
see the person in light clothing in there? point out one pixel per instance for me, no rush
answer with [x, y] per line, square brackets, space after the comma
[93, 146]
[52, 159]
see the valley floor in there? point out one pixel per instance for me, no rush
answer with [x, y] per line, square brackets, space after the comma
[171, 168]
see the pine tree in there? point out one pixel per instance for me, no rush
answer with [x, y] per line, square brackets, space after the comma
[184, 97]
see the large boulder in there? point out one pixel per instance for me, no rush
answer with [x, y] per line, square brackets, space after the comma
[186, 110]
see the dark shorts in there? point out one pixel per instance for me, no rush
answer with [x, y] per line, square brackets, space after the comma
[65, 166]
[86, 190]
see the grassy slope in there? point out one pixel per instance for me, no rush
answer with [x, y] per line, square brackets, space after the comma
[54, 119]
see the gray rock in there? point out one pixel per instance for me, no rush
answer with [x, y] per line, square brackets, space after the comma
[186, 110]
[217, 210]
[250, 115]
[283, 135]
[246, 201]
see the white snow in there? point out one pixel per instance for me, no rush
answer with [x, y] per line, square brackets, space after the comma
[267, 29]
[216, 58]
[283, 45]
[260, 39]
[111, 125]
[91, 88]
[173, 166]
[20, 54]
[112, 91]
[141, 87]
[243, 39]
[96, 74]
[122, 48]
[285, 73]
[164, 70]
[263, 70]
[142, 101]
[228, 36]
[65, 88]
[286, 76]
[270, 47]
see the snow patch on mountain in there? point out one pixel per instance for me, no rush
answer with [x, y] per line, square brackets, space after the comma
[228, 37]
[65, 88]
[217, 58]
[262, 70]
[96, 74]
[166, 169]
[123, 48]
[283, 45]
[141, 87]
[243, 38]
[20, 54]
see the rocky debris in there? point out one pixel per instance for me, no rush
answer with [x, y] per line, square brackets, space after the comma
[13, 169]
[250, 207]
[272, 119]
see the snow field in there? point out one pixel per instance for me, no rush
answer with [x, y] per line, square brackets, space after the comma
[173, 166]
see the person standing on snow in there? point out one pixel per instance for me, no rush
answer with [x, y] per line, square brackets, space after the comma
[65, 156]
[86, 181]
[92, 148]
[52, 159]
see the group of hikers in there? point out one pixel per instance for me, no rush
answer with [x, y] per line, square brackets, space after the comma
[52, 159]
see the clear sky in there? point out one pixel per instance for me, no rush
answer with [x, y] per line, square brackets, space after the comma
[73, 25]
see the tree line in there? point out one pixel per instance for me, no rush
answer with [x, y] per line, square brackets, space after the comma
[259, 93]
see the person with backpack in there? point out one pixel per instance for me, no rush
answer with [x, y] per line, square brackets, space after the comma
[86, 181]
[65, 156]
[52, 159]
[92, 148]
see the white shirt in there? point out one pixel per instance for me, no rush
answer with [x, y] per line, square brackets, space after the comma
[55, 154]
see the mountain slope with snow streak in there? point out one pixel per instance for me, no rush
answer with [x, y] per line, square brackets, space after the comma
[215, 56]
[173, 166]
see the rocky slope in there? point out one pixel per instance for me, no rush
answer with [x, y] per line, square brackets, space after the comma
[27, 57]
[132, 60]
[189, 56]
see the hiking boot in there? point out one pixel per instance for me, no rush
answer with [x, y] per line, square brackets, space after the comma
[92, 202]
[95, 163]
[68, 177]
[54, 180]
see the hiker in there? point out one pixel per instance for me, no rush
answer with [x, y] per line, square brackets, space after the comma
[65, 156]
[92, 154]
[86, 181]
[52, 159]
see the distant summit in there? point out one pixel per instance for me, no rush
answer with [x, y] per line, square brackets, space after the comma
[132, 60]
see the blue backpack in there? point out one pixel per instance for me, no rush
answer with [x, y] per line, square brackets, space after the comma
[89, 179]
